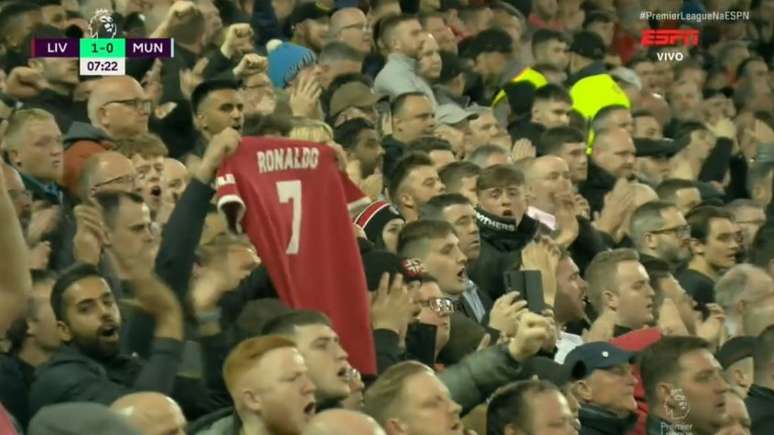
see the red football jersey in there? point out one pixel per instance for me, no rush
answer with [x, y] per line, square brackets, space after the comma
[292, 202]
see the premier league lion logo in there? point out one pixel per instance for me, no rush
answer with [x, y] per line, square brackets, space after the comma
[102, 25]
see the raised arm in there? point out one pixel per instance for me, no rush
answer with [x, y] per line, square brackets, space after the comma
[15, 281]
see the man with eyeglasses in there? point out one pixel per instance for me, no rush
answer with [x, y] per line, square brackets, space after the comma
[118, 109]
[436, 310]
[350, 26]
[659, 231]
[108, 171]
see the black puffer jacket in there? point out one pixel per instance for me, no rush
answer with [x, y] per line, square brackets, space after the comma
[600, 421]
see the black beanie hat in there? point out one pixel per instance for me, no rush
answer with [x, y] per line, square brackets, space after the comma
[374, 218]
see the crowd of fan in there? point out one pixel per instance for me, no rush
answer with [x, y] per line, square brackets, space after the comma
[487, 138]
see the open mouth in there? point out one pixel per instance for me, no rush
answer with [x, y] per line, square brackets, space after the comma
[155, 191]
[343, 374]
[310, 409]
[461, 275]
[457, 427]
[108, 331]
[507, 213]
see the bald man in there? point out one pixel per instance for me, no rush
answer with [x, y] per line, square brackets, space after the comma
[176, 177]
[340, 421]
[107, 171]
[151, 413]
[547, 177]
[350, 26]
[118, 108]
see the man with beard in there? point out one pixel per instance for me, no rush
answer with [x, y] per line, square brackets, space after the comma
[659, 231]
[684, 387]
[401, 37]
[217, 105]
[310, 23]
[413, 183]
[570, 305]
[361, 143]
[88, 367]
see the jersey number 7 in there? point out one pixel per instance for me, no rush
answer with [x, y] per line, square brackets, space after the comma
[290, 191]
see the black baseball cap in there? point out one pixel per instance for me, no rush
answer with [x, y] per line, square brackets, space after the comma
[308, 11]
[598, 355]
[376, 263]
[588, 44]
[734, 350]
[655, 147]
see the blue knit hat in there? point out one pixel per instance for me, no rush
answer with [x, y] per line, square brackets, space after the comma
[286, 60]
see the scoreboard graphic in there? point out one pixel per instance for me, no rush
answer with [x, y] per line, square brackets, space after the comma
[103, 56]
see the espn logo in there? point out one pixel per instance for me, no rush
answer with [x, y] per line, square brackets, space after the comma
[669, 37]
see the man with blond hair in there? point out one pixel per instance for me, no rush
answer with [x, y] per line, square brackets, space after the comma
[620, 292]
[33, 144]
[269, 383]
[398, 401]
